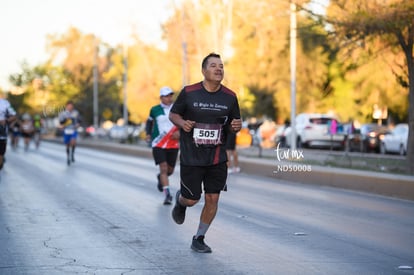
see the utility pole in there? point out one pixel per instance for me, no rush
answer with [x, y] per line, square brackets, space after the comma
[125, 109]
[184, 47]
[185, 63]
[293, 74]
[95, 86]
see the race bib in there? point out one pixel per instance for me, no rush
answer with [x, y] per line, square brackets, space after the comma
[69, 131]
[207, 134]
[27, 127]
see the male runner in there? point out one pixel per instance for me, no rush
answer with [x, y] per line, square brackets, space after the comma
[205, 112]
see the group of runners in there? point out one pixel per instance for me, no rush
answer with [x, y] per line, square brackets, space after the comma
[29, 128]
[17, 126]
[196, 126]
[26, 127]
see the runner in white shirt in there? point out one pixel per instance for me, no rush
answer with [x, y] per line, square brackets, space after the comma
[70, 120]
[7, 116]
[163, 136]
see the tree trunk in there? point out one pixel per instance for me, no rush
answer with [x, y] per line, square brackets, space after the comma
[408, 50]
[410, 142]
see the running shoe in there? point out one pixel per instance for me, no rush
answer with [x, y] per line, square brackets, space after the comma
[178, 212]
[168, 199]
[198, 245]
[159, 185]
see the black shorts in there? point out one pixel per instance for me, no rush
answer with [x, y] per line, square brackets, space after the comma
[231, 141]
[165, 155]
[27, 135]
[3, 145]
[3, 131]
[213, 178]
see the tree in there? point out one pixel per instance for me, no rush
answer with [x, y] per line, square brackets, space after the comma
[42, 89]
[392, 21]
[253, 40]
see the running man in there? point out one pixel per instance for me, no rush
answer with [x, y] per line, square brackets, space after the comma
[7, 116]
[70, 120]
[164, 140]
[38, 125]
[27, 130]
[205, 112]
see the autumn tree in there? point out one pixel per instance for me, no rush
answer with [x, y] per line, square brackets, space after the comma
[253, 40]
[392, 21]
[149, 69]
[75, 52]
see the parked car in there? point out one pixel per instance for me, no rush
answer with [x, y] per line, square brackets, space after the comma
[313, 130]
[99, 132]
[122, 134]
[396, 140]
[367, 138]
[118, 133]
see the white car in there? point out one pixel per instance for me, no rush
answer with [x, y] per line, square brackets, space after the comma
[396, 140]
[312, 130]
[118, 133]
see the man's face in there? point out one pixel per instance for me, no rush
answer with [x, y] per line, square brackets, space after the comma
[167, 100]
[214, 71]
[69, 107]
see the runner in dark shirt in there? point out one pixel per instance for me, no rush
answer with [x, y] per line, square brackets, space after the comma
[205, 113]
[212, 113]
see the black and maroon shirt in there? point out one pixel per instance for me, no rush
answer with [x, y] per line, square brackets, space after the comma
[206, 143]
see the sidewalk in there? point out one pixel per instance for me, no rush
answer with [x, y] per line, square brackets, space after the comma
[270, 163]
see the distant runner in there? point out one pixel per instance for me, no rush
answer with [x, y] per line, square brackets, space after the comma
[163, 136]
[70, 120]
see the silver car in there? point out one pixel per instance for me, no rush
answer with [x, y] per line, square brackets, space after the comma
[396, 140]
[314, 130]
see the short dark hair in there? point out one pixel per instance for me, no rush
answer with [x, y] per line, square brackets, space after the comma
[205, 59]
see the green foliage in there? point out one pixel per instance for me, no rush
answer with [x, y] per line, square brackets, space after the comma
[264, 106]
[380, 26]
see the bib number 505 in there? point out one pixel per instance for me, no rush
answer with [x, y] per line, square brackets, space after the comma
[205, 134]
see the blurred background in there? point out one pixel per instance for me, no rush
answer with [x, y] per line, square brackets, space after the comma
[353, 64]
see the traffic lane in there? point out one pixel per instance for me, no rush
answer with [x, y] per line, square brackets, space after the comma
[324, 229]
[96, 222]
[61, 226]
[254, 232]
[100, 223]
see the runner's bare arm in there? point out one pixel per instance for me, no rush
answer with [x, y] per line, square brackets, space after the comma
[178, 121]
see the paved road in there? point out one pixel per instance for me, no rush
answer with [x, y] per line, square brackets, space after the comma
[103, 215]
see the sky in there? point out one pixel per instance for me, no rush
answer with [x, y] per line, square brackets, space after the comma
[24, 25]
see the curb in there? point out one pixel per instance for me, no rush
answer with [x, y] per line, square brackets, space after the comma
[398, 186]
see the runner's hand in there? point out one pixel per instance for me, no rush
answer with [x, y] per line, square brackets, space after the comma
[188, 125]
[176, 135]
[236, 124]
